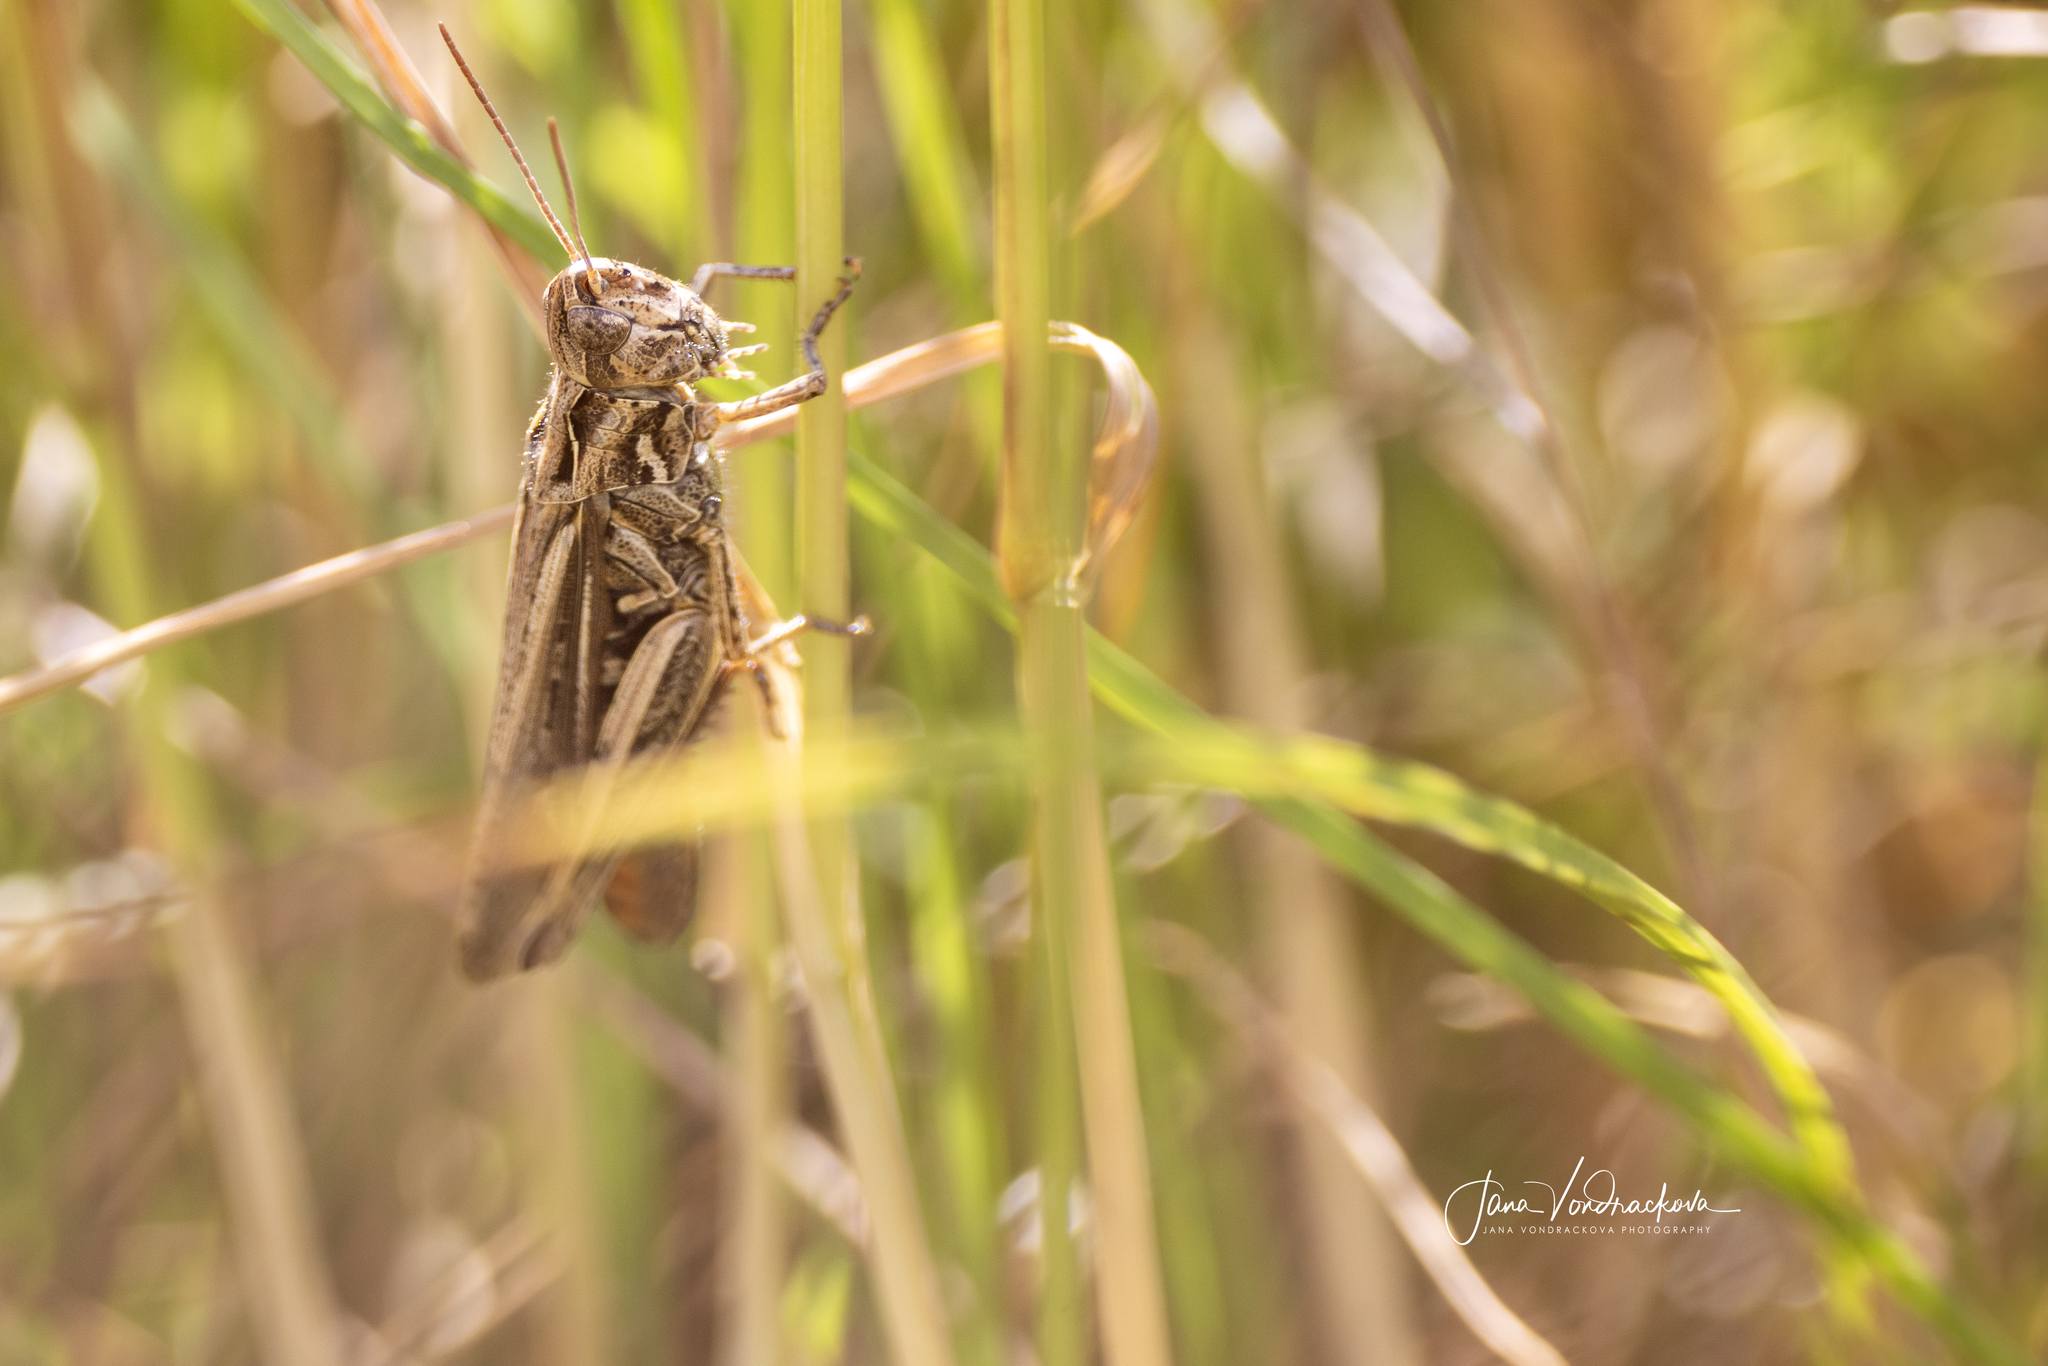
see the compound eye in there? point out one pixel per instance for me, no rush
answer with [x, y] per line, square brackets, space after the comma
[597, 331]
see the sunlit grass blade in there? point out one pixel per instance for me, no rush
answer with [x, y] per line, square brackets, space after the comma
[821, 886]
[757, 1260]
[1417, 795]
[1085, 1027]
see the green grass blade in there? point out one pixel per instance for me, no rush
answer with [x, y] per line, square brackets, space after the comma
[1417, 795]
[864, 1093]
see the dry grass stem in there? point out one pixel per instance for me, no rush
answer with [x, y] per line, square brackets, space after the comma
[287, 590]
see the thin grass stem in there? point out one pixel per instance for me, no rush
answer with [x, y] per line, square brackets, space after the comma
[756, 1267]
[821, 894]
[1041, 528]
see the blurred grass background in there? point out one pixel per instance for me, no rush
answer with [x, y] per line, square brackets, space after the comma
[1757, 612]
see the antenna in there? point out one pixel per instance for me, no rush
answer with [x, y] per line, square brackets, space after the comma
[492, 110]
[575, 221]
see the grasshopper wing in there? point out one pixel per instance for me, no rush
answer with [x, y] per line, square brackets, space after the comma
[670, 681]
[545, 717]
[652, 894]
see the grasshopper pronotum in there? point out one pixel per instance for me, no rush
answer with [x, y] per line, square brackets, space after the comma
[623, 620]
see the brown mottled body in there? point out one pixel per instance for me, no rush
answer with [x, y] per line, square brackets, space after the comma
[623, 622]
[622, 617]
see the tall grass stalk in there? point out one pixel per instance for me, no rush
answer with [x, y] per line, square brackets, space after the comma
[1023, 303]
[755, 1264]
[1039, 539]
[767, 232]
[834, 953]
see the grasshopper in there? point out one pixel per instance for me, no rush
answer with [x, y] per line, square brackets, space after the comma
[623, 618]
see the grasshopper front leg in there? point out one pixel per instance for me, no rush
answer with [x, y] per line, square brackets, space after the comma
[812, 382]
[726, 270]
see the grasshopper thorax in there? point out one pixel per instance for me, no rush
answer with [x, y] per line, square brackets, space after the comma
[617, 326]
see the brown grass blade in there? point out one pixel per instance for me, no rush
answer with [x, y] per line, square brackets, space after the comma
[286, 590]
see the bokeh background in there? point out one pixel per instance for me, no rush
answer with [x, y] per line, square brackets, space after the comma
[1668, 460]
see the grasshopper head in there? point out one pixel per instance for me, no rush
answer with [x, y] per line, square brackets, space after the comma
[617, 326]
[610, 325]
